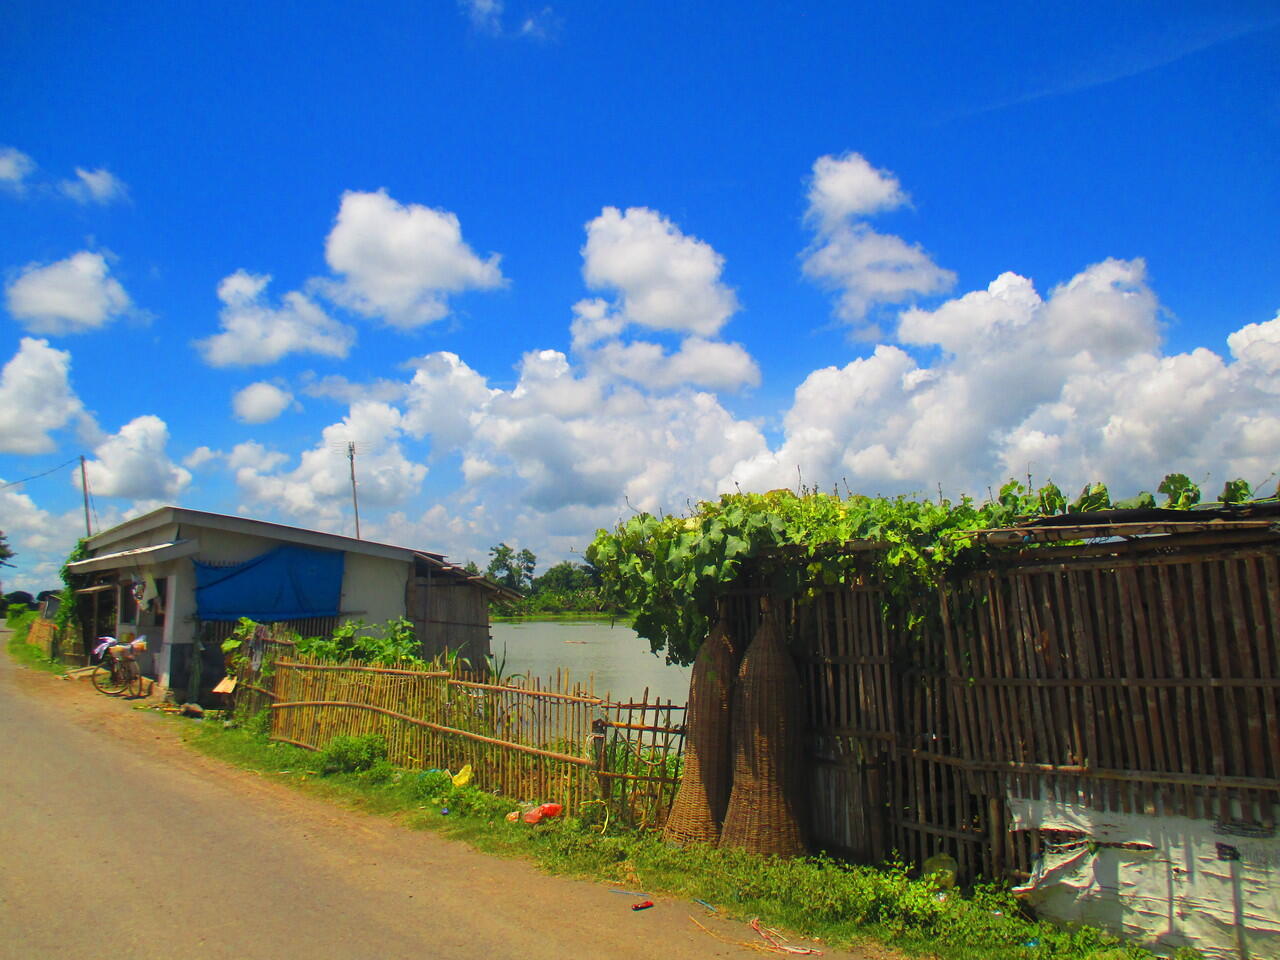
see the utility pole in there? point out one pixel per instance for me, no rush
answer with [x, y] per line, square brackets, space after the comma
[355, 504]
[84, 488]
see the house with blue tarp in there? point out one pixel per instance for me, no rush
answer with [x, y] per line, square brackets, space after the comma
[183, 578]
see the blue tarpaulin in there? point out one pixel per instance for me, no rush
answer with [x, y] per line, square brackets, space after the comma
[288, 583]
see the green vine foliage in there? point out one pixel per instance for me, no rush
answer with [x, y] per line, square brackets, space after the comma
[671, 570]
[392, 644]
[70, 583]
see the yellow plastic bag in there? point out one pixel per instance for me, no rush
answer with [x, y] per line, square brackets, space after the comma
[463, 776]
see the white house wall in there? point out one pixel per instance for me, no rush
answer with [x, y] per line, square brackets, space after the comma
[373, 588]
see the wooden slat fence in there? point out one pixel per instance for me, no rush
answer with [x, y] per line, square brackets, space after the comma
[549, 740]
[1141, 677]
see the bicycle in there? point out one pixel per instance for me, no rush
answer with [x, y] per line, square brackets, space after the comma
[117, 673]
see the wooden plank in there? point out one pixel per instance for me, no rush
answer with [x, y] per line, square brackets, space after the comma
[1044, 734]
[1246, 663]
[1128, 776]
[1068, 664]
[957, 688]
[1089, 531]
[1264, 587]
[357, 668]
[1223, 647]
[1190, 753]
[997, 733]
[439, 728]
[1034, 563]
[1150, 698]
[1139, 716]
[1011, 708]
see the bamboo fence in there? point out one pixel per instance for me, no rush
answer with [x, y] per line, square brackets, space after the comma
[549, 740]
[1133, 676]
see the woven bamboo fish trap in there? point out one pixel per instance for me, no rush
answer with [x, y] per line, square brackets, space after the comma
[763, 814]
[707, 775]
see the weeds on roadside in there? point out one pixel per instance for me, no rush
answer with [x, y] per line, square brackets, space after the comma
[838, 902]
[353, 754]
[20, 622]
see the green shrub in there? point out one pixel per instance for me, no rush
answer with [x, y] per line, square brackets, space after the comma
[14, 613]
[381, 772]
[435, 787]
[348, 754]
[432, 784]
[259, 725]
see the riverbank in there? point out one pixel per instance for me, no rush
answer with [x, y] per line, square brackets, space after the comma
[625, 619]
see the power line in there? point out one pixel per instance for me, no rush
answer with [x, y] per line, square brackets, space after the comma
[14, 483]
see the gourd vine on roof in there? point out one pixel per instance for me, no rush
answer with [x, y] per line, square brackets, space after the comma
[671, 569]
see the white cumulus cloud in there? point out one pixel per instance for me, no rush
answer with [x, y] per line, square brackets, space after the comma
[565, 439]
[1257, 347]
[664, 279]
[485, 15]
[866, 268]
[847, 187]
[36, 397]
[94, 186]
[134, 463]
[254, 332]
[15, 167]
[201, 456]
[401, 262]
[74, 295]
[317, 490]
[260, 402]
[704, 363]
[1074, 386]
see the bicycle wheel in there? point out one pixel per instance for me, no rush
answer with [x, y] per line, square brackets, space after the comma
[111, 678]
[134, 673]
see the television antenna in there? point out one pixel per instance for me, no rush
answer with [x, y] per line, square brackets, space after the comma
[349, 449]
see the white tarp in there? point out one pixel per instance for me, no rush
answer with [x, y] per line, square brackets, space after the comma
[1167, 887]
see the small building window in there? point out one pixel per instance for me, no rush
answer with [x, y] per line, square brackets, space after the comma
[156, 606]
[128, 605]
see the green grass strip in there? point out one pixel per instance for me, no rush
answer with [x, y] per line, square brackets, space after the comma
[841, 904]
[23, 652]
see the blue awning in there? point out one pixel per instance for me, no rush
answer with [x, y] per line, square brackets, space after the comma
[287, 583]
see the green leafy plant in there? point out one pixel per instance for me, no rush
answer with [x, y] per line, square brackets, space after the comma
[70, 583]
[497, 668]
[351, 754]
[393, 644]
[671, 570]
[1181, 492]
[1235, 491]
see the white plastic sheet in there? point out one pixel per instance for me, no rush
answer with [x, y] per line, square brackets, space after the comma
[1159, 880]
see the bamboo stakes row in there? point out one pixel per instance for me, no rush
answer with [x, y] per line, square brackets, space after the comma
[1139, 679]
[553, 739]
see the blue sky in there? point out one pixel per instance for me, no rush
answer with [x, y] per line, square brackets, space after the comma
[547, 263]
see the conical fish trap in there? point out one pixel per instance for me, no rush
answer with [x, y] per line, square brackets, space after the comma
[763, 814]
[704, 783]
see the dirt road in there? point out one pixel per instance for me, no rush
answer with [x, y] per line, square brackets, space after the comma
[118, 841]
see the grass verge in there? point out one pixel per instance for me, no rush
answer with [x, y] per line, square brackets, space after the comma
[841, 904]
[22, 651]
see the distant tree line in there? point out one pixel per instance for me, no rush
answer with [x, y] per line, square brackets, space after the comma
[566, 587]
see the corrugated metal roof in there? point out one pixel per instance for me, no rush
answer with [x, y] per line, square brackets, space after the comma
[158, 553]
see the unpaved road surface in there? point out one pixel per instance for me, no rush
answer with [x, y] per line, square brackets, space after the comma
[117, 841]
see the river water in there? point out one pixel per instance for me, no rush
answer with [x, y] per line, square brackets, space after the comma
[619, 659]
